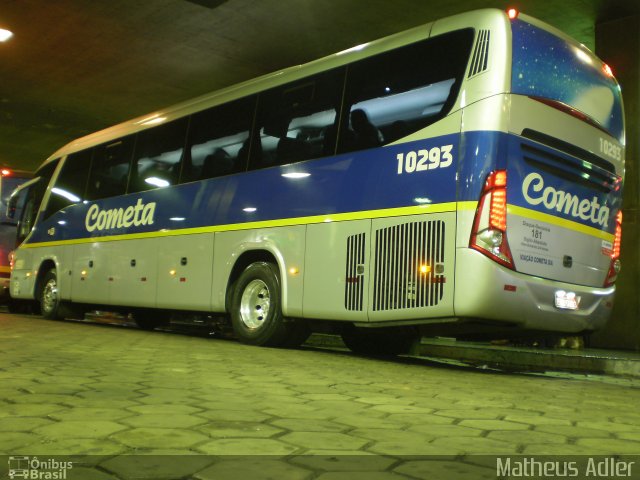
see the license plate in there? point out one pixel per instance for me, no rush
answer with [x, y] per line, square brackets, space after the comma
[567, 300]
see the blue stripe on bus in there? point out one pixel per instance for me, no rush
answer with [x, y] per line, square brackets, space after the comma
[359, 181]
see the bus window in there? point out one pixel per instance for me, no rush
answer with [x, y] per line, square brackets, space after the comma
[27, 201]
[71, 182]
[397, 93]
[219, 141]
[8, 183]
[156, 161]
[297, 120]
[110, 169]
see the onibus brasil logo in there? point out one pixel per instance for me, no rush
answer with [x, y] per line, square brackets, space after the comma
[38, 469]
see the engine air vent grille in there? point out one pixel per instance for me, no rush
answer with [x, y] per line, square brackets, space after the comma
[409, 265]
[354, 286]
[480, 59]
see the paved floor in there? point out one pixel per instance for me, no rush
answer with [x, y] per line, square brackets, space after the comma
[110, 392]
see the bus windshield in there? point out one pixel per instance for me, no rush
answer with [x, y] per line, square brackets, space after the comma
[548, 67]
[8, 185]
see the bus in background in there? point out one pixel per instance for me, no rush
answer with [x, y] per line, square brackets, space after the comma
[9, 180]
[462, 175]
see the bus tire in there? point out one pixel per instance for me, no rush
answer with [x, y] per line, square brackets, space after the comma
[149, 318]
[256, 307]
[379, 341]
[51, 307]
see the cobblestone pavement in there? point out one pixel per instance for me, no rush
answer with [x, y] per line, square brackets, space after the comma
[246, 412]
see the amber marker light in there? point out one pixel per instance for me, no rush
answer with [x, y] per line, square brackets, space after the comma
[512, 13]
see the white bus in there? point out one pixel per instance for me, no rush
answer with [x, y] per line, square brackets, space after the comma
[461, 174]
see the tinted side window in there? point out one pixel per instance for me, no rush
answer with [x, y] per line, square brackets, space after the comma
[156, 160]
[399, 92]
[30, 204]
[297, 121]
[110, 169]
[71, 183]
[219, 141]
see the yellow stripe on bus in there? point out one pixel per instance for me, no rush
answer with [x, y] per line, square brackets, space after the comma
[5, 269]
[339, 217]
[284, 222]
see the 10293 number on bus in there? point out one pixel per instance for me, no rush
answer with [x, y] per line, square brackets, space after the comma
[424, 159]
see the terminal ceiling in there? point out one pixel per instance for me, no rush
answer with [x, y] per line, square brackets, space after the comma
[76, 66]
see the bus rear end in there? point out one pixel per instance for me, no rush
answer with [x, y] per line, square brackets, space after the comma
[544, 243]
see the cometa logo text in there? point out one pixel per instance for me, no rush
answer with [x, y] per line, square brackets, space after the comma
[136, 215]
[535, 193]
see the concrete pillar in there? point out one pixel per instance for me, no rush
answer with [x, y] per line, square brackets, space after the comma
[618, 44]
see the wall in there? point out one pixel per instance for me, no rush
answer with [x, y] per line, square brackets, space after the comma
[618, 44]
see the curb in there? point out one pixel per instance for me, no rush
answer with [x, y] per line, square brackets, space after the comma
[591, 361]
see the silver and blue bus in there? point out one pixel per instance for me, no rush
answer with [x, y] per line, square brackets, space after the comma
[463, 174]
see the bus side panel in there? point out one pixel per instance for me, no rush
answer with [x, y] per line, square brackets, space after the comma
[286, 244]
[90, 273]
[336, 275]
[185, 265]
[22, 277]
[133, 272]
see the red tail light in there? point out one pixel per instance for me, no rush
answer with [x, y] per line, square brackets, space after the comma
[615, 266]
[489, 234]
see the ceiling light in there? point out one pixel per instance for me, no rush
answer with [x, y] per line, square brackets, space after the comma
[5, 35]
[296, 175]
[157, 182]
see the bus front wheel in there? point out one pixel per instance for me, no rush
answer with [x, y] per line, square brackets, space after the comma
[51, 307]
[256, 309]
[49, 298]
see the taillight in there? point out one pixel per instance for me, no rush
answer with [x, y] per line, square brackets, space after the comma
[489, 234]
[614, 267]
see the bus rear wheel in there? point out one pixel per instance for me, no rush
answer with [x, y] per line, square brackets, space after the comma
[256, 308]
[379, 341]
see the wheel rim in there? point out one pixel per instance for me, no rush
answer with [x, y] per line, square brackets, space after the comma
[254, 304]
[50, 295]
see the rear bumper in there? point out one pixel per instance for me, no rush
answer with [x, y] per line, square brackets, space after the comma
[486, 290]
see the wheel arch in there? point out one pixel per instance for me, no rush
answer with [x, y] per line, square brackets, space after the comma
[46, 265]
